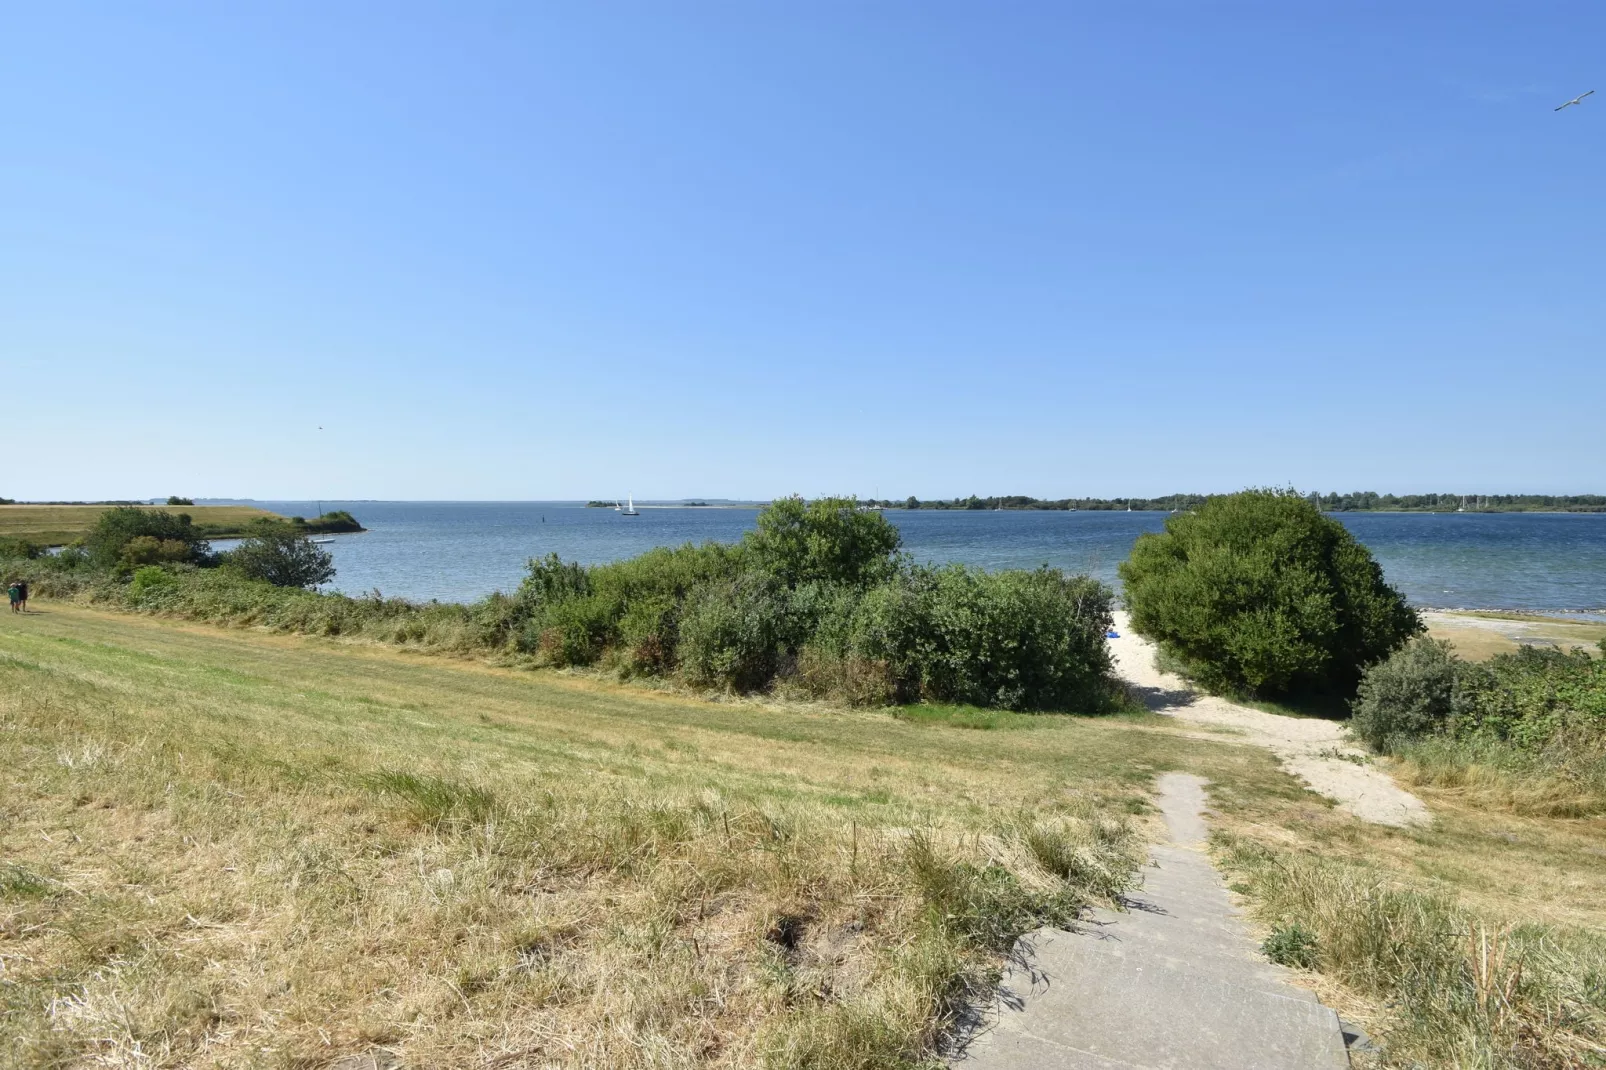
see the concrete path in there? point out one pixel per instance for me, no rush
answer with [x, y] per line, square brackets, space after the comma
[1319, 752]
[1174, 983]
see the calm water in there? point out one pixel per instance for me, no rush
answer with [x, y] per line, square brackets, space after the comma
[460, 551]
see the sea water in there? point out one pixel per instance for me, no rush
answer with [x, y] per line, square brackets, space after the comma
[460, 551]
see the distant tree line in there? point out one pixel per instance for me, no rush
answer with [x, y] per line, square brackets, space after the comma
[1370, 500]
[1356, 501]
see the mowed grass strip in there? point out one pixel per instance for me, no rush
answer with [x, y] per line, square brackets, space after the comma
[53, 525]
[227, 848]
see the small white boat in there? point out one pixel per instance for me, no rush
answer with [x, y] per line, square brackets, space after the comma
[630, 508]
[320, 542]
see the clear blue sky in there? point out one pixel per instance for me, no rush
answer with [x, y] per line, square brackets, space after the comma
[744, 249]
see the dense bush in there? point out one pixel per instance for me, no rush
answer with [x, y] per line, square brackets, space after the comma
[1258, 593]
[1019, 640]
[165, 537]
[1532, 698]
[1529, 698]
[1407, 696]
[19, 548]
[829, 540]
[1525, 729]
[282, 558]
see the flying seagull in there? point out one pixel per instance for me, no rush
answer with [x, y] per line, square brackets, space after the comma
[1576, 100]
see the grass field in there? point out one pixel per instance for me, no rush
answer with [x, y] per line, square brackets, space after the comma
[56, 525]
[224, 848]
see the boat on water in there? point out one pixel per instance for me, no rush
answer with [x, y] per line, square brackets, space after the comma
[630, 508]
[320, 542]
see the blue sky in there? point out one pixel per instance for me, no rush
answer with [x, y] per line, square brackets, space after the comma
[745, 249]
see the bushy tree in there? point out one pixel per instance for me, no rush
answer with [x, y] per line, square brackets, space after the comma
[283, 559]
[828, 540]
[118, 527]
[1260, 593]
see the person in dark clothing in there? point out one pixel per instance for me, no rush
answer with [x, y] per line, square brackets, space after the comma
[24, 585]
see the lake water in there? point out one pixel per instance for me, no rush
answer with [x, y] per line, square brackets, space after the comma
[460, 551]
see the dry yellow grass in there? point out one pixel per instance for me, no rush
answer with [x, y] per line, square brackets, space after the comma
[53, 525]
[226, 848]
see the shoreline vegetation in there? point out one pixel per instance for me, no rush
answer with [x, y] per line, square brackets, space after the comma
[816, 601]
[52, 524]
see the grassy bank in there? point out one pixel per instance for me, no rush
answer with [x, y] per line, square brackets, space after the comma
[57, 525]
[228, 847]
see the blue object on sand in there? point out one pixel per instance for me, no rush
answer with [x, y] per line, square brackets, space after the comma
[1112, 634]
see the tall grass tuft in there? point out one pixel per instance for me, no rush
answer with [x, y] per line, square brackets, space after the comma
[1464, 990]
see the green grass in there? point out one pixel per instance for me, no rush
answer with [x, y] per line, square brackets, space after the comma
[55, 525]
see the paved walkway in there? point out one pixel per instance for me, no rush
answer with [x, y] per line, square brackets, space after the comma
[1174, 983]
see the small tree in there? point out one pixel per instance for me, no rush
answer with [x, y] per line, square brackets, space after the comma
[827, 540]
[283, 559]
[174, 499]
[1260, 593]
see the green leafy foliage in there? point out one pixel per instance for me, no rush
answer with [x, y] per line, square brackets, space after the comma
[1291, 945]
[20, 549]
[830, 540]
[150, 580]
[1258, 593]
[1408, 695]
[165, 537]
[282, 558]
[733, 633]
[1018, 640]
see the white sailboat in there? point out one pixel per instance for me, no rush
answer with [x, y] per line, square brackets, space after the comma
[630, 508]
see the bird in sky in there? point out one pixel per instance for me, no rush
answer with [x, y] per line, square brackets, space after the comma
[1579, 99]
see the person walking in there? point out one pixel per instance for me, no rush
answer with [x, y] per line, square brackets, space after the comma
[24, 585]
[14, 591]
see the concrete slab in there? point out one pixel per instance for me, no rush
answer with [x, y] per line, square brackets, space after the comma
[1174, 983]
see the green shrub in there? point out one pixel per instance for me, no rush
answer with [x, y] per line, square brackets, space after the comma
[20, 549]
[143, 550]
[829, 540]
[1411, 694]
[150, 580]
[1532, 698]
[283, 559]
[575, 630]
[1017, 640]
[1259, 593]
[1291, 945]
[731, 634]
[117, 528]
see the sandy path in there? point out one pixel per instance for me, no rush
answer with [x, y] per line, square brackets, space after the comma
[1314, 750]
